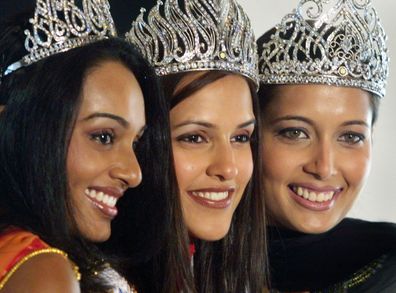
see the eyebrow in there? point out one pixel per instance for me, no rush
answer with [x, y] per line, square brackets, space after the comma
[309, 121]
[291, 117]
[356, 122]
[210, 125]
[119, 119]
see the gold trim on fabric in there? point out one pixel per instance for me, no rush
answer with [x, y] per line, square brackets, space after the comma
[35, 253]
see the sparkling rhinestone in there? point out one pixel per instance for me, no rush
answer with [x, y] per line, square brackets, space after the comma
[343, 71]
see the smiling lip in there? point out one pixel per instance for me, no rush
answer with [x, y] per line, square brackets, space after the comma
[216, 198]
[313, 198]
[105, 199]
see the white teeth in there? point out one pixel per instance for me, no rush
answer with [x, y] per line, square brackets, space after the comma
[312, 195]
[92, 193]
[113, 201]
[101, 197]
[215, 196]
[300, 191]
[106, 199]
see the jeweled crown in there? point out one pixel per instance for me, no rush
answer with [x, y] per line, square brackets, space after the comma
[336, 42]
[60, 25]
[197, 35]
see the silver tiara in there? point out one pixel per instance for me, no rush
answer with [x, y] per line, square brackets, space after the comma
[203, 35]
[60, 25]
[335, 42]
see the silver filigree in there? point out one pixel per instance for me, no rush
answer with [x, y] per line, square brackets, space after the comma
[336, 42]
[60, 25]
[197, 35]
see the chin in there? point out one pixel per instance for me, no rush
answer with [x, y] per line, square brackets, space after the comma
[97, 236]
[315, 227]
[101, 239]
[209, 235]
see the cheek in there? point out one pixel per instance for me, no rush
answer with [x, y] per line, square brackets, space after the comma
[278, 162]
[245, 166]
[81, 163]
[187, 167]
[356, 168]
[74, 159]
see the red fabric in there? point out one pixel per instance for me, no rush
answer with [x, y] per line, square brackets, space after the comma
[15, 244]
[192, 249]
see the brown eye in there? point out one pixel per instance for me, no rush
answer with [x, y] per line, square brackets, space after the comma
[104, 137]
[241, 138]
[192, 138]
[352, 138]
[293, 133]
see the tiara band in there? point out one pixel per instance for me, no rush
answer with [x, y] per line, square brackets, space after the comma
[335, 42]
[59, 26]
[199, 35]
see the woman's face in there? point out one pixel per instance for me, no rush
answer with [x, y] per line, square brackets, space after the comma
[316, 154]
[101, 163]
[211, 132]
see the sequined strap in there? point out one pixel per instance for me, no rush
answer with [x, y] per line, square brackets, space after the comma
[18, 246]
[33, 254]
[358, 278]
[366, 272]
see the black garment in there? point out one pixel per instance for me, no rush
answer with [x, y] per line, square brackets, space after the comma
[356, 254]
[384, 280]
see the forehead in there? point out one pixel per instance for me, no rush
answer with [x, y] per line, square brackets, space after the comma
[112, 87]
[228, 98]
[320, 100]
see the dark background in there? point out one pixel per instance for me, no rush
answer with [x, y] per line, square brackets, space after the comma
[123, 11]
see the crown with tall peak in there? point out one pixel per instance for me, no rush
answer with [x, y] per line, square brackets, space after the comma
[60, 25]
[198, 35]
[335, 42]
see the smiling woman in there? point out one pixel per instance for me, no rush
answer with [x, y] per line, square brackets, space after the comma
[110, 121]
[322, 134]
[319, 99]
[68, 134]
[213, 159]
[205, 54]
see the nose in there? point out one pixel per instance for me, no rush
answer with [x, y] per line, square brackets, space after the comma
[322, 162]
[223, 164]
[126, 168]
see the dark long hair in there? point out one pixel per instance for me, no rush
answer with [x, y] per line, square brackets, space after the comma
[146, 239]
[42, 103]
[236, 263]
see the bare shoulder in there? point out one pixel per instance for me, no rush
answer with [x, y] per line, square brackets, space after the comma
[48, 272]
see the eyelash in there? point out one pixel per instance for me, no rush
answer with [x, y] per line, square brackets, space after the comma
[192, 138]
[286, 133]
[242, 138]
[350, 138]
[198, 139]
[104, 137]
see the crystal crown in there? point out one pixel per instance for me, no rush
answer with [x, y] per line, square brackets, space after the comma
[336, 42]
[197, 35]
[60, 25]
